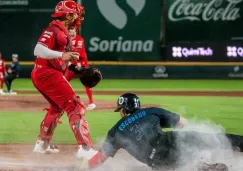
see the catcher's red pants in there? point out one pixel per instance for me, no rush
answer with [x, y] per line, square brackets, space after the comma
[69, 75]
[1, 80]
[58, 92]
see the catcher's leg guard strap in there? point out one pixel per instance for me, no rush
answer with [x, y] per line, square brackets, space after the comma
[49, 123]
[78, 123]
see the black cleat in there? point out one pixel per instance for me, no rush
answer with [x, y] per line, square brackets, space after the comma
[212, 167]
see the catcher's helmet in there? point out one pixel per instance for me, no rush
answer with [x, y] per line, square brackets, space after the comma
[128, 102]
[67, 7]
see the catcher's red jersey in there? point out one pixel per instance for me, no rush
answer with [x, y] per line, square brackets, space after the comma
[2, 66]
[55, 37]
[78, 46]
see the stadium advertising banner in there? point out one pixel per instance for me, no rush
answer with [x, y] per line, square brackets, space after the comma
[27, 5]
[205, 52]
[122, 30]
[204, 20]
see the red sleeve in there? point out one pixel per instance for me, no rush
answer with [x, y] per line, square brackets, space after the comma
[47, 38]
[4, 67]
[97, 159]
[81, 48]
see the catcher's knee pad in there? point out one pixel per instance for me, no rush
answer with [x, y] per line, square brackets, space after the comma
[50, 122]
[77, 108]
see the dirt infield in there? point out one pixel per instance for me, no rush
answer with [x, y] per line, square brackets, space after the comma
[20, 157]
[38, 103]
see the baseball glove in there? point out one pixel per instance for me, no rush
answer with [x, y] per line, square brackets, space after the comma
[89, 77]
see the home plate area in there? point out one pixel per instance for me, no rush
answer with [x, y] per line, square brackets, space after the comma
[18, 157]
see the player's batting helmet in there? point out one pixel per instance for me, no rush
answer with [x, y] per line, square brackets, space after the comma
[128, 102]
[68, 7]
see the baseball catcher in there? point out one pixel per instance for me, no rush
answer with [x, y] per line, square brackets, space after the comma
[139, 133]
[53, 54]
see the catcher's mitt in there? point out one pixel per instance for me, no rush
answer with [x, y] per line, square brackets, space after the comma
[89, 77]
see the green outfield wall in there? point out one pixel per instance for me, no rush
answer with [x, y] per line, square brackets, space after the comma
[160, 70]
[128, 32]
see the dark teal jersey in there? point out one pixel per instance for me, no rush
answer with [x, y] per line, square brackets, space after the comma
[135, 132]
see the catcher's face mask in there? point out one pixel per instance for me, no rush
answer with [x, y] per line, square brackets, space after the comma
[74, 12]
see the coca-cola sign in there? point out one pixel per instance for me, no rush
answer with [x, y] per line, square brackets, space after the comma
[204, 10]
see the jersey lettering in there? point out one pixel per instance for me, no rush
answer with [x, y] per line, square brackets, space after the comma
[121, 100]
[45, 35]
[136, 103]
[131, 119]
[137, 130]
[48, 32]
[46, 38]
[80, 44]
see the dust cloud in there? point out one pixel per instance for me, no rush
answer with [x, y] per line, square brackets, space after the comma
[189, 156]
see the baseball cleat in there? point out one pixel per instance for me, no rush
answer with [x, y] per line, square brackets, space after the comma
[212, 167]
[91, 106]
[39, 148]
[9, 93]
[85, 152]
[52, 149]
[12, 92]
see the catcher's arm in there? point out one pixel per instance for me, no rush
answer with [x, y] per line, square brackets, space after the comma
[89, 77]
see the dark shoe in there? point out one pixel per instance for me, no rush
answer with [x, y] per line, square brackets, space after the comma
[212, 167]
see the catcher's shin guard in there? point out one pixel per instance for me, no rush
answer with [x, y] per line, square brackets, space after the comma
[81, 132]
[79, 125]
[49, 124]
